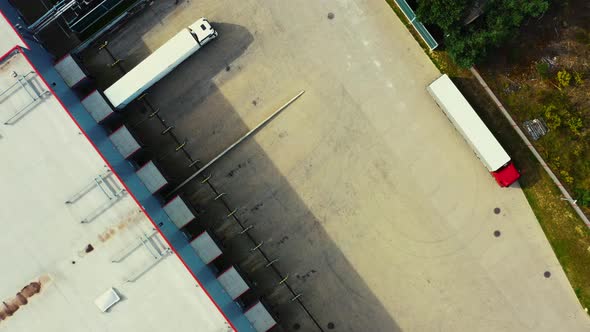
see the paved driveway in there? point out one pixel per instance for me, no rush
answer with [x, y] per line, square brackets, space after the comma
[378, 211]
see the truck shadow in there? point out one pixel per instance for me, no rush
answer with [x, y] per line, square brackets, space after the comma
[500, 127]
[259, 206]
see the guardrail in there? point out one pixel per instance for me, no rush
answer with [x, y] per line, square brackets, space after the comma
[418, 26]
[534, 151]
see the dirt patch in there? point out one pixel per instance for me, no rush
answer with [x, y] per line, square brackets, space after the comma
[545, 73]
[11, 306]
[31, 289]
[132, 218]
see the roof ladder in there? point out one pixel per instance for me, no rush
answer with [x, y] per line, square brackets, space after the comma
[111, 191]
[131, 249]
[155, 248]
[97, 181]
[36, 94]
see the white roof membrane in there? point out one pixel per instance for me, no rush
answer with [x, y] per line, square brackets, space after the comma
[52, 179]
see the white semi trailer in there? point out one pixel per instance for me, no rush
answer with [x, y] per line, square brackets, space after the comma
[160, 63]
[475, 132]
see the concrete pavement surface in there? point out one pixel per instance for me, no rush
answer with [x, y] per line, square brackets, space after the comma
[377, 209]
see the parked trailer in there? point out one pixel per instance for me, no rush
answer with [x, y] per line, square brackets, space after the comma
[160, 63]
[474, 131]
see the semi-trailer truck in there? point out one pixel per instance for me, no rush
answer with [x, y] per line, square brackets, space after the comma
[473, 130]
[160, 63]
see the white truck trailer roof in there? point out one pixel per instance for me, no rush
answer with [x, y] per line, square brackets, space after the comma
[160, 63]
[150, 70]
[468, 123]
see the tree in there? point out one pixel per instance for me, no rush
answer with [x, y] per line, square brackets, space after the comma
[444, 13]
[498, 23]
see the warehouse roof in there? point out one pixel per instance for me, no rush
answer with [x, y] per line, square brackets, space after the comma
[79, 252]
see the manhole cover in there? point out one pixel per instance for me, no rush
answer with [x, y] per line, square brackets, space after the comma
[547, 274]
[497, 210]
[330, 16]
[331, 325]
[497, 233]
[296, 326]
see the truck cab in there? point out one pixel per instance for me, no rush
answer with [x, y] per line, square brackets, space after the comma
[506, 175]
[203, 31]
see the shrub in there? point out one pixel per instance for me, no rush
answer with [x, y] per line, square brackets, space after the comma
[578, 78]
[469, 44]
[566, 177]
[543, 69]
[552, 117]
[574, 124]
[563, 78]
[577, 149]
[583, 196]
[555, 162]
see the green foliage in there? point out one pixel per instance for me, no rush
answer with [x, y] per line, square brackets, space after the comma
[556, 116]
[583, 196]
[563, 79]
[566, 177]
[552, 117]
[469, 44]
[553, 97]
[578, 149]
[444, 13]
[543, 69]
[574, 124]
[578, 78]
[555, 162]
[466, 51]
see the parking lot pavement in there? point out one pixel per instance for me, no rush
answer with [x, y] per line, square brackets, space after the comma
[377, 210]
